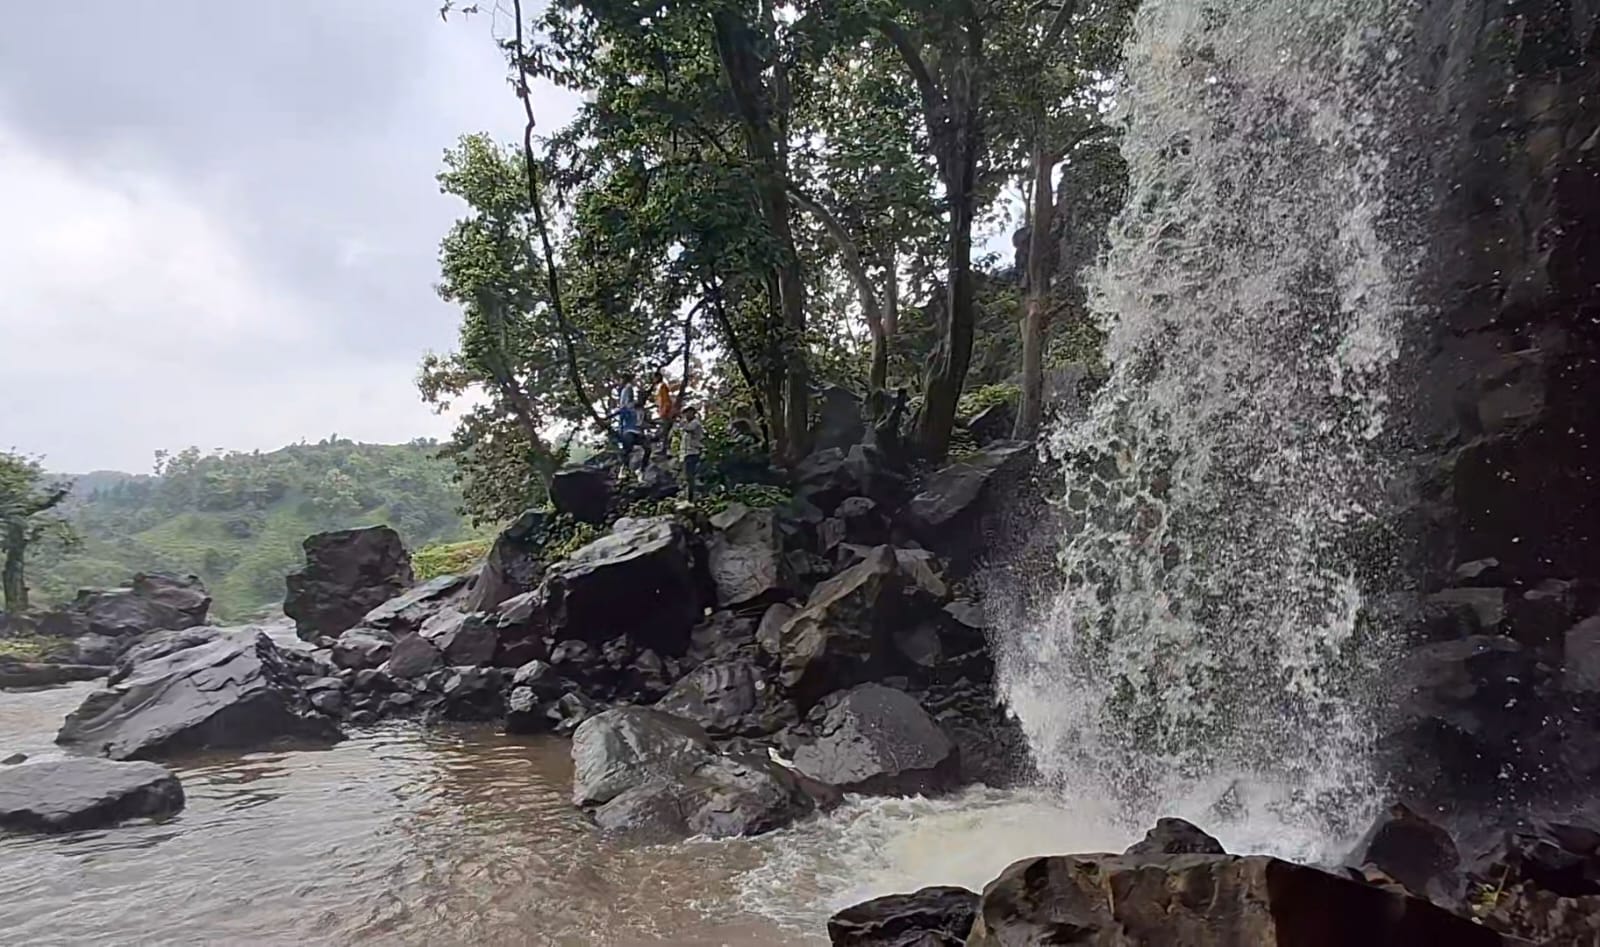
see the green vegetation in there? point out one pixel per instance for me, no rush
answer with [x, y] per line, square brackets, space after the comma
[31, 648]
[436, 559]
[237, 520]
[30, 516]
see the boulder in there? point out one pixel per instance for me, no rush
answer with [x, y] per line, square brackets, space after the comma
[26, 674]
[361, 648]
[1175, 837]
[234, 691]
[933, 917]
[728, 698]
[954, 498]
[879, 740]
[514, 565]
[151, 602]
[637, 581]
[1559, 857]
[407, 611]
[862, 521]
[746, 556]
[642, 770]
[993, 423]
[412, 657]
[581, 492]
[96, 650]
[769, 631]
[1204, 901]
[472, 693]
[347, 574]
[839, 422]
[464, 640]
[1580, 650]
[520, 628]
[842, 632]
[1486, 605]
[722, 635]
[828, 476]
[160, 645]
[69, 795]
[1418, 854]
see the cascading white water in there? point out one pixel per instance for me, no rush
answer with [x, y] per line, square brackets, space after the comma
[1203, 656]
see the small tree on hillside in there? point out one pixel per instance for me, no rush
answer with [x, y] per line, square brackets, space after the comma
[28, 514]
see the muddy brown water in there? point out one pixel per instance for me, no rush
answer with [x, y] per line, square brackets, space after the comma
[461, 835]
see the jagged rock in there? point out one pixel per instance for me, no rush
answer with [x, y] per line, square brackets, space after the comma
[14, 759]
[862, 521]
[933, 917]
[638, 581]
[1580, 649]
[1488, 606]
[835, 640]
[955, 497]
[472, 693]
[407, 611]
[1418, 854]
[728, 698]
[721, 635]
[827, 477]
[1559, 857]
[151, 602]
[234, 691]
[1175, 837]
[1204, 901]
[838, 418]
[463, 639]
[70, 795]
[769, 632]
[520, 627]
[570, 710]
[581, 492]
[993, 423]
[746, 556]
[361, 648]
[347, 574]
[879, 740]
[1480, 573]
[330, 703]
[514, 565]
[641, 770]
[96, 650]
[412, 657]
[160, 644]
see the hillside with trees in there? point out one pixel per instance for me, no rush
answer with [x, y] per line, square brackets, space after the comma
[237, 519]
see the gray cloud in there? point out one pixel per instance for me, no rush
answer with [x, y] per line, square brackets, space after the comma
[220, 221]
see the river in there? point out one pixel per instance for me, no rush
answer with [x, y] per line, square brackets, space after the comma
[457, 834]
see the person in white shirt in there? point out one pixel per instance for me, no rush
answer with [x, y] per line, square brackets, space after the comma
[691, 443]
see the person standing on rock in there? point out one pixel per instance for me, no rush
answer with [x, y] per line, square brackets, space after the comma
[691, 443]
[630, 431]
[663, 398]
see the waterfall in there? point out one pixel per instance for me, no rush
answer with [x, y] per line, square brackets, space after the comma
[1208, 652]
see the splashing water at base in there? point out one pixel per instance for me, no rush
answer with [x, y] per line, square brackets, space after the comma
[1205, 654]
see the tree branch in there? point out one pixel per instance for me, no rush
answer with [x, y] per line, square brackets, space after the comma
[1058, 24]
[870, 307]
[933, 98]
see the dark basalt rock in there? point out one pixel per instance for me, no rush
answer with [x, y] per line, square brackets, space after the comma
[407, 611]
[25, 674]
[412, 657]
[728, 698]
[520, 628]
[348, 573]
[648, 772]
[234, 691]
[463, 639]
[993, 423]
[1418, 854]
[158, 645]
[1175, 837]
[1156, 901]
[952, 498]
[151, 602]
[361, 648]
[638, 581]
[69, 795]
[842, 632]
[746, 558]
[879, 740]
[581, 492]
[514, 565]
[933, 917]
[97, 650]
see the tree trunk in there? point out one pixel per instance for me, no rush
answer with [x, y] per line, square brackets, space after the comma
[850, 256]
[731, 338]
[12, 578]
[1036, 316]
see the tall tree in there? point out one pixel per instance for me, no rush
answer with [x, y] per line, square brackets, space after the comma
[29, 499]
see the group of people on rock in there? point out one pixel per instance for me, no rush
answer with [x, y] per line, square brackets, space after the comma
[636, 433]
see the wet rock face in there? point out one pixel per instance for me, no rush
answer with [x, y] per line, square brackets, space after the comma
[1418, 854]
[1155, 900]
[233, 691]
[151, 602]
[582, 492]
[407, 611]
[879, 740]
[513, 566]
[746, 557]
[933, 917]
[1175, 837]
[347, 574]
[638, 582]
[646, 772]
[69, 795]
[843, 630]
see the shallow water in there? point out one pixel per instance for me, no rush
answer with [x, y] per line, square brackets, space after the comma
[461, 835]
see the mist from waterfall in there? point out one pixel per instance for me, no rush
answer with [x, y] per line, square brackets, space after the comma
[1207, 653]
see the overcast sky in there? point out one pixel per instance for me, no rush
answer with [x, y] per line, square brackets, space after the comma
[218, 220]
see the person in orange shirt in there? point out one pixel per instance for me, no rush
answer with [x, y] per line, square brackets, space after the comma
[663, 398]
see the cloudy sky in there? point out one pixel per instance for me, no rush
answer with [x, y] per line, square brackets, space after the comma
[218, 220]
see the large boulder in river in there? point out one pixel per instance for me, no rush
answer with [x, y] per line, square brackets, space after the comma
[879, 740]
[348, 573]
[746, 556]
[68, 795]
[151, 602]
[1204, 901]
[232, 691]
[644, 771]
[407, 611]
[514, 565]
[637, 581]
[1175, 837]
[939, 916]
[843, 630]
[728, 697]
[1413, 851]
[581, 492]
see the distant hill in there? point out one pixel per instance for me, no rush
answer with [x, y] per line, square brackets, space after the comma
[237, 520]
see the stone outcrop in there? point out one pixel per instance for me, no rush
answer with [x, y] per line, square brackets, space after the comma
[348, 573]
[514, 565]
[948, 511]
[746, 557]
[843, 630]
[407, 611]
[728, 697]
[235, 691]
[1201, 901]
[647, 772]
[879, 740]
[69, 795]
[939, 916]
[151, 602]
[638, 581]
[1175, 837]
[582, 492]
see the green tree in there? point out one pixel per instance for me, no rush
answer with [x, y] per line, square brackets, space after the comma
[29, 514]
